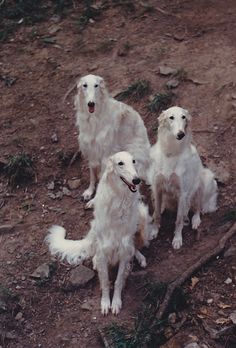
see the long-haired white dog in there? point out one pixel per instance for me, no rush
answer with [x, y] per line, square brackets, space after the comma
[177, 174]
[107, 126]
[118, 216]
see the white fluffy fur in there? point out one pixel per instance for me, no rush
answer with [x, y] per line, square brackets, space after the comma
[177, 174]
[110, 127]
[118, 214]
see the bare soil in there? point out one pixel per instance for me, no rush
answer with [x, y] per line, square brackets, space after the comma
[123, 45]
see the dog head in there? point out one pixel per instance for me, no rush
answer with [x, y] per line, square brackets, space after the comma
[176, 120]
[122, 165]
[91, 89]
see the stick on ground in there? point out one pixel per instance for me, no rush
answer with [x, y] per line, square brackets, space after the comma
[192, 269]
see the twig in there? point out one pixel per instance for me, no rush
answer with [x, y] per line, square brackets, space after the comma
[229, 126]
[166, 12]
[192, 269]
[75, 156]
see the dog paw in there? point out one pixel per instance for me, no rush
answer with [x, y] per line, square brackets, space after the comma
[196, 220]
[153, 233]
[88, 194]
[90, 204]
[177, 242]
[105, 305]
[116, 305]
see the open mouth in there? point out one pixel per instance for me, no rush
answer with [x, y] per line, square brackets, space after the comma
[91, 108]
[132, 187]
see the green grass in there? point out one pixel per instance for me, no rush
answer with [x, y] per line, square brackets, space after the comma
[135, 91]
[160, 101]
[19, 169]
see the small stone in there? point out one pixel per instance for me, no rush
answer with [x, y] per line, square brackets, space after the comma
[6, 228]
[233, 317]
[228, 281]
[51, 185]
[86, 306]
[54, 138]
[19, 316]
[210, 301]
[18, 287]
[23, 278]
[166, 71]
[42, 272]
[80, 276]
[55, 18]
[192, 345]
[173, 83]
[172, 318]
[91, 20]
[74, 184]
[66, 192]
[54, 29]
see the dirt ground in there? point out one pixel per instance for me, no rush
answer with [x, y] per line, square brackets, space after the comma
[124, 44]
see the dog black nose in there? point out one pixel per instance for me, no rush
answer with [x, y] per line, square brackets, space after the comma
[91, 104]
[180, 135]
[136, 181]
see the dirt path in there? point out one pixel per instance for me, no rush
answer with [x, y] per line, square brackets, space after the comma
[123, 45]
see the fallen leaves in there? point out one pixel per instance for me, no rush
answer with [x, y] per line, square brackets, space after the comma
[194, 281]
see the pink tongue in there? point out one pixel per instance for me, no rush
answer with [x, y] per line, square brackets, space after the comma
[91, 109]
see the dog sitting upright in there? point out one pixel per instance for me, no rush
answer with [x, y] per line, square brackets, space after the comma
[177, 174]
[118, 216]
[107, 126]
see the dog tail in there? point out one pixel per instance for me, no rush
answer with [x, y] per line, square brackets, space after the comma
[209, 196]
[73, 251]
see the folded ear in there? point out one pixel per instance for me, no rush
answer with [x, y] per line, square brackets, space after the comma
[188, 116]
[162, 117]
[110, 166]
[79, 96]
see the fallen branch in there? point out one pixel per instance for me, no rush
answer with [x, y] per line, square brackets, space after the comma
[192, 269]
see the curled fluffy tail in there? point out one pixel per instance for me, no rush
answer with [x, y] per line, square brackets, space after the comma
[74, 251]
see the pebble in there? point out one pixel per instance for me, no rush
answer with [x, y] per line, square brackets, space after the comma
[80, 276]
[19, 316]
[228, 281]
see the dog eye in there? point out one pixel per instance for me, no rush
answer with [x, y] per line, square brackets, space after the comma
[183, 117]
[171, 117]
[96, 85]
[134, 161]
[85, 85]
[121, 163]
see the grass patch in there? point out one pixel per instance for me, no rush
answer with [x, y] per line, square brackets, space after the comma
[229, 215]
[19, 169]
[147, 331]
[160, 101]
[135, 91]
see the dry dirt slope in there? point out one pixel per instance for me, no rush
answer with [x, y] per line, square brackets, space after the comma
[122, 45]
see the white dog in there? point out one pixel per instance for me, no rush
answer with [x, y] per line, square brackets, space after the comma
[107, 126]
[118, 215]
[177, 174]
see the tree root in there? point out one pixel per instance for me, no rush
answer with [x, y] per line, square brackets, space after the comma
[192, 269]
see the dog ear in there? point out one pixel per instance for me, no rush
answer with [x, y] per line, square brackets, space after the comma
[110, 166]
[162, 117]
[187, 114]
[79, 96]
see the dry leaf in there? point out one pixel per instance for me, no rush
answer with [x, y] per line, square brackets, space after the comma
[222, 321]
[204, 311]
[200, 316]
[223, 305]
[194, 282]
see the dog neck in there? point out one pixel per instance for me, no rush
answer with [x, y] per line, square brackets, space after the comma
[170, 145]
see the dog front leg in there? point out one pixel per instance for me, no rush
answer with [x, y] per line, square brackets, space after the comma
[90, 190]
[119, 284]
[102, 268]
[179, 224]
[157, 206]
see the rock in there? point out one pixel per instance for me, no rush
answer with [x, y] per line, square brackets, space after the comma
[210, 301]
[54, 138]
[233, 317]
[74, 184]
[42, 272]
[54, 29]
[19, 316]
[230, 252]
[86, 306]
[228, 281]
[173, 83]
[172, 318]
[192, 345]
[6, 228]
[66, 192]
[166, 71]
[51, 185]
[80, 276]
[57, 195]
[3, 305]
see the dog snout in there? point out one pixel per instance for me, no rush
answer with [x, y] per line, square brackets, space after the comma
[180, 135]
[136, 181]
[91, 104]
